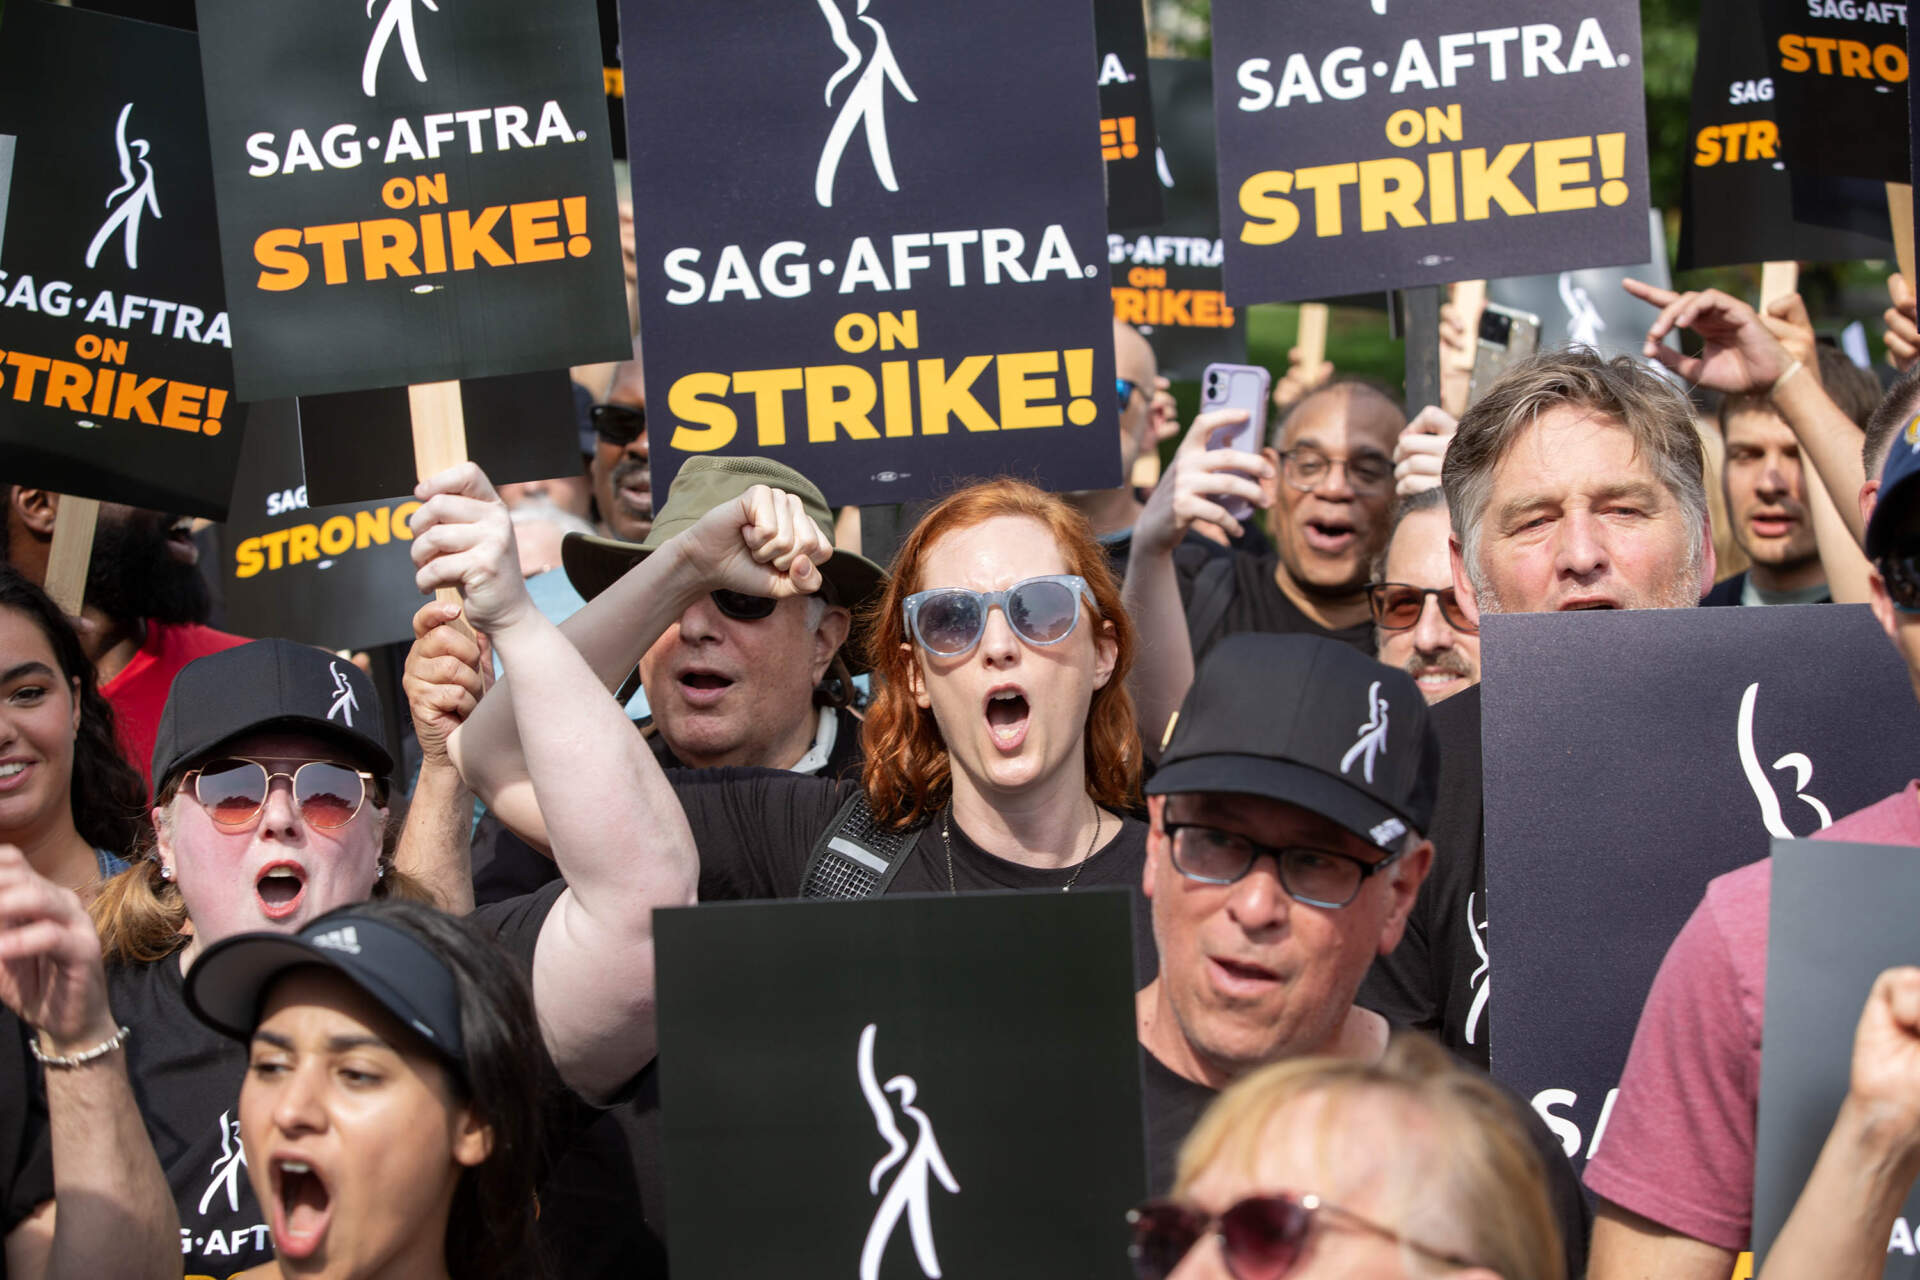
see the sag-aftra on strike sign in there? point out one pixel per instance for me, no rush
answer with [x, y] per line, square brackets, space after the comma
[1376, 144]
[411, 192]
[871, 240]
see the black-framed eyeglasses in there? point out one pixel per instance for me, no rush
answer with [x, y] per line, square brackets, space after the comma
[1902, 575]
[1398, 605]
[1307, 469]
[949, 621]
[618, 424]
[1261, 1237]
[1123, 388]
[1316, 877]
[234, 790]
[744, 607]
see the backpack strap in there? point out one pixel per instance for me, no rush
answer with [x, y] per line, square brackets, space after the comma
[857, 856]
[1213, 591]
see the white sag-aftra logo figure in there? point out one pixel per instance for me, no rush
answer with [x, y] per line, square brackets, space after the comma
[1770, 813]
[909, 1191]
[1373, 735]
[866, 103]
[135, 195]
[396, 18]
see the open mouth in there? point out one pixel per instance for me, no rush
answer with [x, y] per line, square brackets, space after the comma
[1007, 713]
[301, 1208]
[1771, 526]
[280, 888]
[11, 770]
[704, 688]
[180, 544]
[1577, 606]
[1330, 535]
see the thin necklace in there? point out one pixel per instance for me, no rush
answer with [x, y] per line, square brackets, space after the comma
[946, 839]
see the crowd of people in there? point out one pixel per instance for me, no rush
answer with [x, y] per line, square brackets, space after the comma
[285, 1001]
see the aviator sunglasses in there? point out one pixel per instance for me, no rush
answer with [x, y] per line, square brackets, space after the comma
[1261, 1238]
[234, 790]
[949, 621]
[1398, 605]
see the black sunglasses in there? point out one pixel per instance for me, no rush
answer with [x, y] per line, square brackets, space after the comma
[617, 424]
[1902, 575]
[740, 605]
[1261, 1238]
[1398, 605]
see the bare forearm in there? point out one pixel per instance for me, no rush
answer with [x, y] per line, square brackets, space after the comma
[436, 845]
[1163, 667]
[114, 1212]
[1841, 1223]
[1841, 558]
[1828, 437]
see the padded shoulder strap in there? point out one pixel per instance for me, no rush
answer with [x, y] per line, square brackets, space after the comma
[856, 856]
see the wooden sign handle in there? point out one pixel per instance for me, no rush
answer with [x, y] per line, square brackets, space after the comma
[1777, 280]
[1900, 209]
[72, 552]
[439, 442]
[1312, 339]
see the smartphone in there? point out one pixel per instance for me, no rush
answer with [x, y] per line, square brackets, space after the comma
[1506, 337]
[1237, 386]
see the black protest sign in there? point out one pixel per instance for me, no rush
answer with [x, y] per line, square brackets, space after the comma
[1127, 135]
[1392, 144]
[521, 426]
[1839, 70]
[411, 193]
[1002, 1027]
[1736, 726]
[1167, 283]
[1840, 914]
[336, 576]
[1738, 198]
[116, 380]
[614, 76]
[889, 274]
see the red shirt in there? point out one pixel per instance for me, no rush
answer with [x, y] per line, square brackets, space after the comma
[139, 692]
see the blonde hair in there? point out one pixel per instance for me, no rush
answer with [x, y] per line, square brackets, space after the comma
[141, 916]
[1470, 1182]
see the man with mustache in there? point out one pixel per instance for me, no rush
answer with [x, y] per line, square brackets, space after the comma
[1766, 490]
[1418, 623]
[622, 481]
[145, 608]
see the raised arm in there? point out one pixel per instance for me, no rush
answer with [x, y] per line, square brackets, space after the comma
[112, 1213]
[1192, 489]
[444, 678]
[603, 805]
[1840, 1224]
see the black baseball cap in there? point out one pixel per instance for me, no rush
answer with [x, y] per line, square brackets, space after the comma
[262, 685]
[228, 983]
[1311, 722]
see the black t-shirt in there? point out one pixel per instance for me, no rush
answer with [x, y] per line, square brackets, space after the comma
[1255, 603]
[186, 1078]
[1437, 979]
[26, 1147]
[1174, 1104]
[603, 1204]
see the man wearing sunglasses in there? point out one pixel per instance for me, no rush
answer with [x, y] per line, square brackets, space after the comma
[622, 481]
[1286, 852]
[1676, 1173]
[1419, 625]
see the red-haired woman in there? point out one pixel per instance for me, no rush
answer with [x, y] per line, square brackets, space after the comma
[1001, 731]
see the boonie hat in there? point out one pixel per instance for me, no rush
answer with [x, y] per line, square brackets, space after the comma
[230, 980]
[594, 563]
[1310, 722]
[268, 684]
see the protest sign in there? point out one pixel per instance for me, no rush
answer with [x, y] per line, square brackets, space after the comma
[1589, 308]
[411, 194]
[1167, 283]
[999, 1090]
[614, 76]
[117, 377]
[1738, 203]
[1612, 799]
[336, 576]
[1391, 145]
[1840, 914]
[1839, 69]
[1127, 135]
[889, 274]
[519, 427]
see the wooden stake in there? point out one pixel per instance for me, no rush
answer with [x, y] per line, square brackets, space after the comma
[1312, 339]
[1777, 280]
[439, 442]
[71, 552]
[1900, 209]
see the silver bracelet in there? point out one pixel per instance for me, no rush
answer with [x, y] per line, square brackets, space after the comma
[70, 1061]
